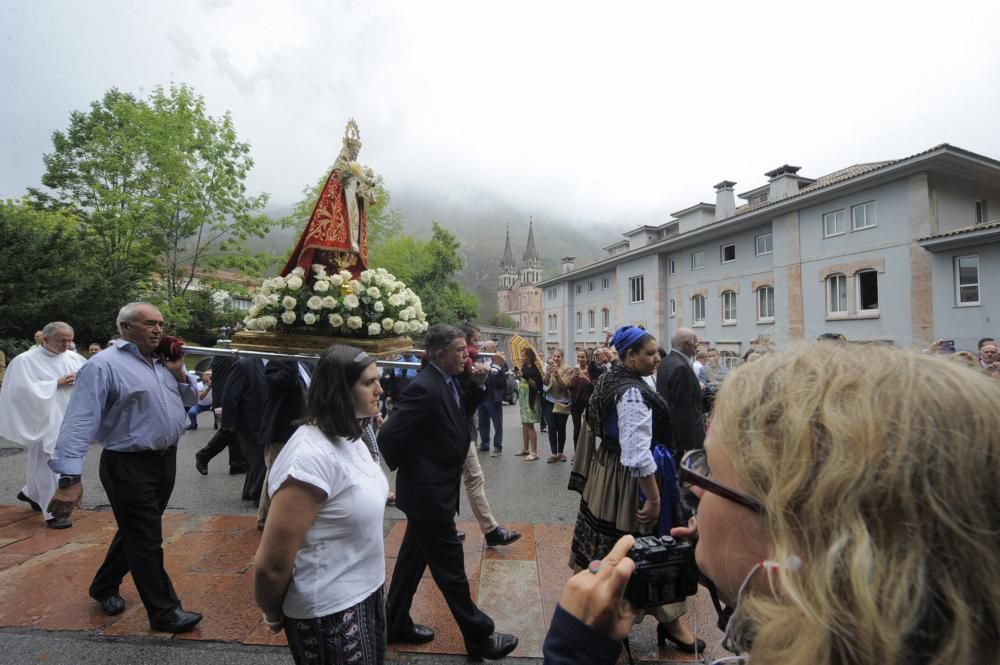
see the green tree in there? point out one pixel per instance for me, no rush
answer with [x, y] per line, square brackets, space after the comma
[49, 267]
[159, 184]
[430, 269]
[501, 319]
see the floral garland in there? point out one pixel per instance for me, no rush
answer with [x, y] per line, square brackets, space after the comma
[375, 305]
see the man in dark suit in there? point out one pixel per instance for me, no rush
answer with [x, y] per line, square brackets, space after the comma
[242, 403]
[677, 384]
[427, 440]
[286, 385]
[223, 438]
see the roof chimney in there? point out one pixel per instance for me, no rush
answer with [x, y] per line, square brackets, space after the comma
[725, 200]
[783, 182]
[568, 264]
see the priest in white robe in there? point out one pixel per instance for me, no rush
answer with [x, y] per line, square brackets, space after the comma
[33, 400]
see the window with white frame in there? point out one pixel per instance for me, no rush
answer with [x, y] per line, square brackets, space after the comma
[590, 285]
[673, 267]
[697, 260]
[605, 318]
[579, 321]
[729, 307]
[552, 294]
[834, 223]
[866, 282]
[765, 244]
[836, 294]
[982, 212]
[553, 322]
[863, 216]
[672, 309]
[698, 309]
[605, 283]
[590, 320]
[637, 288]
[240, 303]
[728, 253]
[967, 280]
[765, 304]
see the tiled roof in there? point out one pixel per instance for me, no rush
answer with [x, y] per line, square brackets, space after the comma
[966, 229]
[845, 174]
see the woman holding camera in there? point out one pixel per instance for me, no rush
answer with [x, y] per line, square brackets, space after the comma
[618, 483]
[848, 521]
[319, 569]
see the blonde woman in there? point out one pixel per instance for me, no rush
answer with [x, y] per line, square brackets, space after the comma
[849, 521]
[556, 379]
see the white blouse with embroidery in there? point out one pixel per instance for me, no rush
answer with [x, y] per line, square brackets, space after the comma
[635, 432]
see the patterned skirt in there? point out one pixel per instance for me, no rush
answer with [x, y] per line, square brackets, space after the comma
[355, 636]
[529, 414]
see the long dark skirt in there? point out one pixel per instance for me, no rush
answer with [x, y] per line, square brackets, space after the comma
[354, 636]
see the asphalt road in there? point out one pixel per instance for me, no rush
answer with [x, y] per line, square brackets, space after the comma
[518, 492]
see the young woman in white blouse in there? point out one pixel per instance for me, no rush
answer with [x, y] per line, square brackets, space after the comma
[320, 567]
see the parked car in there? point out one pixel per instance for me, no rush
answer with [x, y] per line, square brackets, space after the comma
[510, 392]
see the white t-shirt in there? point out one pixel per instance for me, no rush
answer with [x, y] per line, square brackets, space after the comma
[341, 561]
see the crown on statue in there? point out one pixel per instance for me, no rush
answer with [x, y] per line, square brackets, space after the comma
[352, 136]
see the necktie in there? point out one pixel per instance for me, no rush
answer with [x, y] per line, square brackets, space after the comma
[454, 392]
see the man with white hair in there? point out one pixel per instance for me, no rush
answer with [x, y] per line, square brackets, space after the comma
[33, 401]
[677, 383]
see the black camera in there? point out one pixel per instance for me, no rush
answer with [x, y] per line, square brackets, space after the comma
[665, 572]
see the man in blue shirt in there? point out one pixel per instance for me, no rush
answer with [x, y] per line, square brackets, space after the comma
[134, 404]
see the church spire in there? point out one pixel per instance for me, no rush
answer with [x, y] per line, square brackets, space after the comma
[530, 257]
[508, 254]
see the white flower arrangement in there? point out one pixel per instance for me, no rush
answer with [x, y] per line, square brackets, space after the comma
[374, 305]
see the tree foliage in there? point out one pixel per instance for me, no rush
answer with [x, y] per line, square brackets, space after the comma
[430, 269]
[159, 184]
[50, 271]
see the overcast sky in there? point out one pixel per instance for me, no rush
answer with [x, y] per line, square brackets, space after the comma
[587, 112]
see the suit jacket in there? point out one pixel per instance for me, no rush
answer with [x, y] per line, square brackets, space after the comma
[220, 372]
[677, 384]
[426, 438]
[284, 402]
[243, 397]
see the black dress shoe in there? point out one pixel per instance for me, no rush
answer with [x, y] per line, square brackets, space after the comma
[460, 535]
[112, 605]
[177, 621]
[501, 536]
[58, 523]
[417, 634]
[663, 635]
[237, 470]
[201, 466]
[21, 496]
[494, 647]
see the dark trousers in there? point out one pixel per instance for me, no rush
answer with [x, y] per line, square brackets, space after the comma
[577, 417]
[355, 635]
[253, 482]
[138, 486]
[546, 412]
[557, 431]
[491, 411]
[224, 438]
[435, 545]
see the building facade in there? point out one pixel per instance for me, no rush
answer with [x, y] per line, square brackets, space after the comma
[903, 251]
[518, 295]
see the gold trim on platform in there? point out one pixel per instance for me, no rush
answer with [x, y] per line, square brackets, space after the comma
[284, 342]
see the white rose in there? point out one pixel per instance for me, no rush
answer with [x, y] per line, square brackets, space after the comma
[294, 283]
[379, 280]
[288, 302]
[298, 271]
[382, 271]
[288, 317]
[336, 320]
[318, 268]
[277, 283]
[354, 322]
[356, 286]
[421, 316]
[336, 280]
[387, 323]
[272, 299]
[378, 306]
[400, 327]
[405, 314]
[309, 318]
[345, 275]
[254, 311]
[315, 303]
[366, 274]
[395, 300]
[329, 302]
[374, 329]
[251, 324]
[321, 286]
[373, 292]
[351, 301]
[267, 322]
[414, 326]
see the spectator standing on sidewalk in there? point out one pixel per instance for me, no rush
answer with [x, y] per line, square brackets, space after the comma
[491, 410]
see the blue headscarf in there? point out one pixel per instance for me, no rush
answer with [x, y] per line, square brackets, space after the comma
[625, 337]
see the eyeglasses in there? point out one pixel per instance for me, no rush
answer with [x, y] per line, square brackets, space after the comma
[694, 471]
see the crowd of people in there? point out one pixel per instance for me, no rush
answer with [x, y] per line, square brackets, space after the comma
[838, 518]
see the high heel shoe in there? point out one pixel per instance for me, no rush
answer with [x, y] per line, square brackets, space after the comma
[663, 635]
